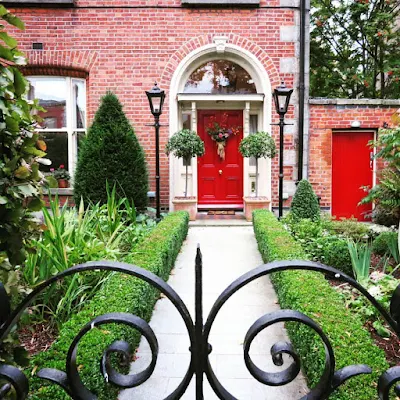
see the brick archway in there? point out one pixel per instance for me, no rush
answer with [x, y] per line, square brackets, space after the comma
[201, 41]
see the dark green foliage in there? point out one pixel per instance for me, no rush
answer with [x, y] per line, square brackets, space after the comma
[111, 152]
[385, 216]
[121, 293]
[311, 294]
[326, 241]
[354, 49]
[381, 244]
[305, 202]
[21, 152]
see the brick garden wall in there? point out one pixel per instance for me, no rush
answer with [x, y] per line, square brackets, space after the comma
[335, 114]
[125, 46]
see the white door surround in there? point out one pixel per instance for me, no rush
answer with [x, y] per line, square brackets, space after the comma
[251, 104]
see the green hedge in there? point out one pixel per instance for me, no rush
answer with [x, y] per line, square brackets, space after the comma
[311, 294]
[121, 293]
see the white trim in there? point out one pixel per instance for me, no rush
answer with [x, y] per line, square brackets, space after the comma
[69, 129]
[254, 67]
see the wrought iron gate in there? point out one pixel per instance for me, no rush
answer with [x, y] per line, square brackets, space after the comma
[200, 348]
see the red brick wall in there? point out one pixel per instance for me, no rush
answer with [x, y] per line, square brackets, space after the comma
[324, 118]
[129, 46]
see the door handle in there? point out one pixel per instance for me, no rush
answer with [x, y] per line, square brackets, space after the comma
[220, 171]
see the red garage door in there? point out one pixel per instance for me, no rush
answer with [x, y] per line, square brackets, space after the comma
[351, 169]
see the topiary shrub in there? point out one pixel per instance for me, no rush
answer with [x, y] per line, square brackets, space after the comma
[111, 153]
[381, 244]
[305, 202]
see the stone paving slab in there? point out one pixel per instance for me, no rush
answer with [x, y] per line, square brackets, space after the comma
[228, 252]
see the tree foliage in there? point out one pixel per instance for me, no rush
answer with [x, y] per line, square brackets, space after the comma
[258, 145]
[21, 152]
[355, 48]
[305, 202]
[111, 153]
[20, 179]
[185, 144]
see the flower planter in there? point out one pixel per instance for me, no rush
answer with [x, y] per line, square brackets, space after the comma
[188, 204]
[62, 183]
[254, 203]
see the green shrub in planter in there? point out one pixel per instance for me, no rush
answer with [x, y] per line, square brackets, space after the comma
[381, 244]
[258, 145]
[185, 144]
[305, 202]
[111, 153]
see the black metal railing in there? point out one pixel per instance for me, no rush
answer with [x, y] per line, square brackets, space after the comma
[70, 381]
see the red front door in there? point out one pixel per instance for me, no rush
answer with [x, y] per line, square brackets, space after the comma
[351, 169]
[220, 182]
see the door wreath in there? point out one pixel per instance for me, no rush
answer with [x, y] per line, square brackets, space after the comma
[220, 133]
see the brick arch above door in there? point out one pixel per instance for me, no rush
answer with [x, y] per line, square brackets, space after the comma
[199, 42]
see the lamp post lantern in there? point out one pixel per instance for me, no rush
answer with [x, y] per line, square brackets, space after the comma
[156, 98]
[281, 97]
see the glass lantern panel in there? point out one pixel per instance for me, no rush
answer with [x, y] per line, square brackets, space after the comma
[220, 77]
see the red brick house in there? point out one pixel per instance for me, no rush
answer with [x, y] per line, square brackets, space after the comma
[213, 58]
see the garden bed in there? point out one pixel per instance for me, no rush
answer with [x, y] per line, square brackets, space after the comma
[121, 293]
[311, 294]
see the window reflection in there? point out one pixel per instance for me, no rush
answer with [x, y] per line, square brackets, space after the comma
[52, 95]
[57, 143]
[79, 103]
[220, 77]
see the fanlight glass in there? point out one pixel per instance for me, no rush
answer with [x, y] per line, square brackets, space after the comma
[220, 77]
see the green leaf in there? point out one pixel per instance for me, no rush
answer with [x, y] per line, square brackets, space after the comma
[22, 172]
[27, 190]
[8, 40]
[13, 20]
[3, 11]
[20, 82]
[12, 124]
[3, 200]
[36, 204]
[6, 53]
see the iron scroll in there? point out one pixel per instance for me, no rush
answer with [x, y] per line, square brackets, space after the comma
[200, 348]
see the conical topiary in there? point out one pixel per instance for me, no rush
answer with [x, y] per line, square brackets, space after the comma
[111, 153]
[305, 202]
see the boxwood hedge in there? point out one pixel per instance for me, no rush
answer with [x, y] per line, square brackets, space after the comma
[121, 293]
[311, 294]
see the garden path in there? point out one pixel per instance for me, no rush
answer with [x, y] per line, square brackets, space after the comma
[228, 252]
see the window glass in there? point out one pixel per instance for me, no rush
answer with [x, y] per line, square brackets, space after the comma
[57, 143]
[79, 104]
[52, 95]
[220, 77]
[64, 122]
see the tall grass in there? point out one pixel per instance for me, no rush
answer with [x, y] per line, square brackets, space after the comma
[74, 236]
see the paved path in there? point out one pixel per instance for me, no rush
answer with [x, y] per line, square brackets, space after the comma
[228, 252]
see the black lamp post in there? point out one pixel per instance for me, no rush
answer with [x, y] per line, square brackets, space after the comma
[281, 97]
[156, 98]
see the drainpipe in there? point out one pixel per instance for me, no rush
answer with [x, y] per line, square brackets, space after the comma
[301, 87]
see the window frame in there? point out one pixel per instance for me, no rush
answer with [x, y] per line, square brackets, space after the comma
[72, 133]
